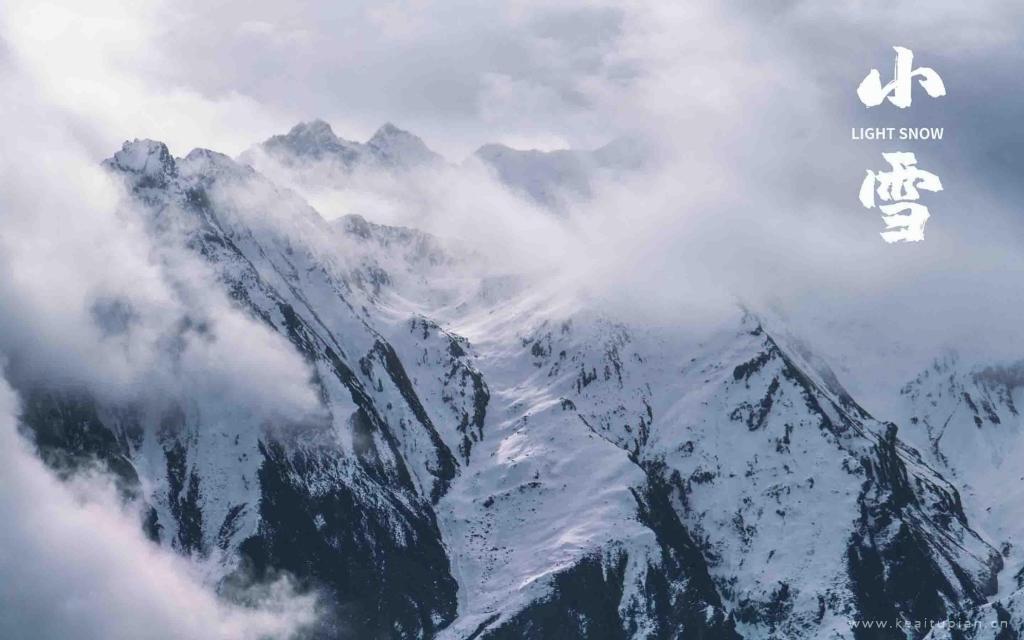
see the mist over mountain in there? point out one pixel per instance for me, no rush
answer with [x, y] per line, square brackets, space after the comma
[610, 352]
[489, 455]
[312, 156]
[551, 177]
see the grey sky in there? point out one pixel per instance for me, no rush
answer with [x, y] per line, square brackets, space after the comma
[753, 104]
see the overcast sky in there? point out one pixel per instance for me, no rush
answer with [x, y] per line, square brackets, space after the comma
[751, 104]
[462, 73]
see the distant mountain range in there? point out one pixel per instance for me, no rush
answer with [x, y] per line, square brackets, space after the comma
[548, 178]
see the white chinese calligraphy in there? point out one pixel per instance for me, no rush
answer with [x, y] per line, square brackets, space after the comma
[871, 91]
[903, 218]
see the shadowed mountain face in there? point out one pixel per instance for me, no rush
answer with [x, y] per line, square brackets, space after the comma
[488, 464]
[551, 178]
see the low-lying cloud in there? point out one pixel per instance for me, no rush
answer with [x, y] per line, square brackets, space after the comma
[74, 564]
[92, 300]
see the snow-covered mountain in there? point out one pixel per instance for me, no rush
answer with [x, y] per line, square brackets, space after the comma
[389, 148]
[493, 458]
[311, 153]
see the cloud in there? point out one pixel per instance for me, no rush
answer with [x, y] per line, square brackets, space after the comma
[96, 65]
[192, 74]
[74, 564]
[753, 196]
[93, 298]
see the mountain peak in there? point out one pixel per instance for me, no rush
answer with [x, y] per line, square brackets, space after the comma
[313, 139]
[315, 133]
[314, 129]
[493, 149]
[390, 147]
[148, 159]
[145, 157]
[398, 147]
[388, 130]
